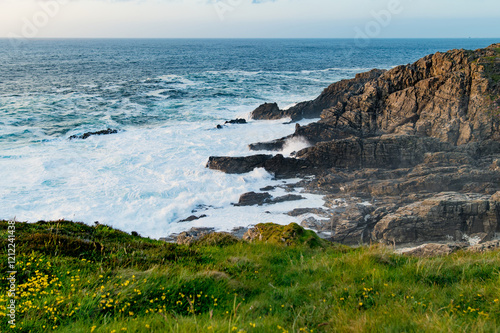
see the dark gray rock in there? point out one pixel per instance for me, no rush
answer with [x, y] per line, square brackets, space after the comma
[236, 121]
[267, 111]
[335, 94]
[288, 197]
[237, 164]
[192, 218]
[253, 199]
[89, 134]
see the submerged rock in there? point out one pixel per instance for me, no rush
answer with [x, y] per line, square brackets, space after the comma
[89, 134]
[233, 121]
[236, 121]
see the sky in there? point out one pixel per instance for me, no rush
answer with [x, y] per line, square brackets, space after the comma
[249, 18]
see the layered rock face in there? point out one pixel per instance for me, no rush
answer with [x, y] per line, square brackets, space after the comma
[457, 216]
[400, 138]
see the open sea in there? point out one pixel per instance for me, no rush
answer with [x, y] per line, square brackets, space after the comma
[165, 97]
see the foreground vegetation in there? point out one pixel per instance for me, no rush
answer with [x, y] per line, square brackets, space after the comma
[77, 278]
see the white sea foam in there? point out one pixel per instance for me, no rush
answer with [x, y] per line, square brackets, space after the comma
[293, 145]
[149, 176]
[291, 105]
[142, 179]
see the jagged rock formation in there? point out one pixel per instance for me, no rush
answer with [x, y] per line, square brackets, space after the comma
[399, 138]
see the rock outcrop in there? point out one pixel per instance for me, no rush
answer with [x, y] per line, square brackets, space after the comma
[444, 217]
[400, 139]
[339, 92]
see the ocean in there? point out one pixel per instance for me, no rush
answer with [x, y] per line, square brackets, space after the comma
[165, 97]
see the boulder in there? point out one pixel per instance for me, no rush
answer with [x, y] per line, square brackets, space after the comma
[253, 199]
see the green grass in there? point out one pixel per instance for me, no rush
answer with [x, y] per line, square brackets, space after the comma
[77, 278]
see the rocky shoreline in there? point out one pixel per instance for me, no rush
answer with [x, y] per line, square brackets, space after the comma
[403, 157]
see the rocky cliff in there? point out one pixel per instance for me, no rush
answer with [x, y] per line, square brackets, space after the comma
[399, 138]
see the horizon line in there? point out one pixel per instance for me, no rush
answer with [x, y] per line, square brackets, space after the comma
[267, 38]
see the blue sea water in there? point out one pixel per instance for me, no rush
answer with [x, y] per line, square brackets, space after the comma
[165, 96]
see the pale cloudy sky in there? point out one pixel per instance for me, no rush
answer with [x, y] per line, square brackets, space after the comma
[249, 18]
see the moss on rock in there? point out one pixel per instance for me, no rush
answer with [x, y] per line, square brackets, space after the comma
[289, 235]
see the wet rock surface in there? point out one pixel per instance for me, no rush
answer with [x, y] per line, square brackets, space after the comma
[254, 199]
[89, 134]
[193, 218]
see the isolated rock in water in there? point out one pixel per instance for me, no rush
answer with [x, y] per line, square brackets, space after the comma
[233, 121]
[253, 199]
[236, 121]
[193, 218]
[89, 134]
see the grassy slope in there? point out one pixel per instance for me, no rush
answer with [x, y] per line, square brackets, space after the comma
[77, 278]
